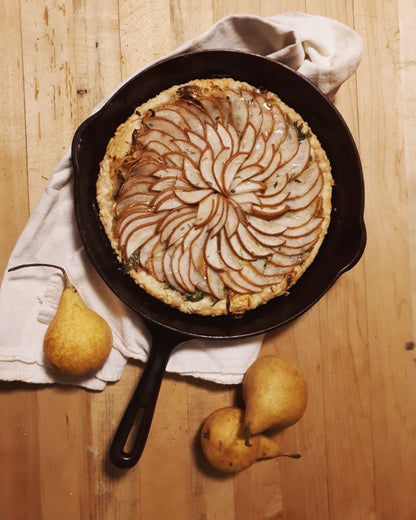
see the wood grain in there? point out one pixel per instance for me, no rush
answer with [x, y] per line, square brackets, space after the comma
[355, 347]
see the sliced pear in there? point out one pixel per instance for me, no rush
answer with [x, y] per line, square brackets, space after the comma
[251, 244]
[228, 255]
[267, 227]
[168, 182]
[212, 253]
[193, 174]
[167, 127]
[193, 196]
[231, 170]
[289, 150]
[213, 140]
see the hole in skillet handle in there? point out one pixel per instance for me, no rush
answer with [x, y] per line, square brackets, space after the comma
[132, 433]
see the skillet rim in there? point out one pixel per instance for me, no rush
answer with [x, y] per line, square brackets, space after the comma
[272, 314]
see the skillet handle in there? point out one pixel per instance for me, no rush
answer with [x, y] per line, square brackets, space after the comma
[136, 421]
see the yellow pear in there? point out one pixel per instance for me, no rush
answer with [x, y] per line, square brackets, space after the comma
[275, 393]
[78, 340]
[224, 446]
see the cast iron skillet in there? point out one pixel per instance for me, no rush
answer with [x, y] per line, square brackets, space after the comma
[342, 248]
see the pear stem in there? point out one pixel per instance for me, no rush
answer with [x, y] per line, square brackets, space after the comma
[291, 455]
[247, 436]
[54, 266]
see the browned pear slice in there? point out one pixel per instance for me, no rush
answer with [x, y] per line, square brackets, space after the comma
[231, 169]
[182, 228]
[291, 145]
[143, 168]
[239, 110]
[196, 140]
[192, 196]
[239, 249]
[166, 126]
[246, 172]
[133, 238]
[184, 267]
[181, 275]
[193, 174]
[248, 186]
[299, 186]
[211, 252]
[245, 198]
[310, 225]
[165, 183]
[269, 212]
[136, 185]
[265, 267]
[158, 148]
[189, 149]
[167, 171]
[146, 249]
[206, 166]
[234, 137]
[134, 222]
[266, 160]
[296, 219]
[257, 152]
[267, 227]
[228, 255]
[306, 199]
[175, 219]
[239, 283]
[192, 119]
[272, 168]
[213, 139]
[276, 185]
[267, 240]
[175, 159]
[167, 269]
[291, 251]
[255, 113]
[283, 260]
[161, 137]
[225, 109]
[215, 283]
[298, 163]
[232, 220]
[268, 120]
[212, 107]
[274, 200]
[197, 251]
[256, 277]
[251, 244]
[248, 139]
[225, 136]
[206, 210]
[304, 240]
[171, 113]
[219, 167]
[219, 223]
[280, 128]
[155, 264]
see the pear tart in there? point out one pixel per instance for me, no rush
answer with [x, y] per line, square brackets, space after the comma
[215, 195]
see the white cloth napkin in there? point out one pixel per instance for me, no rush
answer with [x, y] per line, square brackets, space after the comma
[324, 50]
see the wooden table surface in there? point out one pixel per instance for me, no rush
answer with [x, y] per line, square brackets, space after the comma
[355, 347]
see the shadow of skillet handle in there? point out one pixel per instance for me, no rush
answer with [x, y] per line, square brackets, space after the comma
[131, 435]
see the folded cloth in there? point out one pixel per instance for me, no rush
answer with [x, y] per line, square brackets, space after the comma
[323, 50]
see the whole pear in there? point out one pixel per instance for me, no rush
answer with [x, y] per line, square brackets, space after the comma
[275, 393]
[224, 446]
[78, 340]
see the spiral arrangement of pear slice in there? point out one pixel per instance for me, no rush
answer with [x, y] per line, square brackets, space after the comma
[215, 195]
